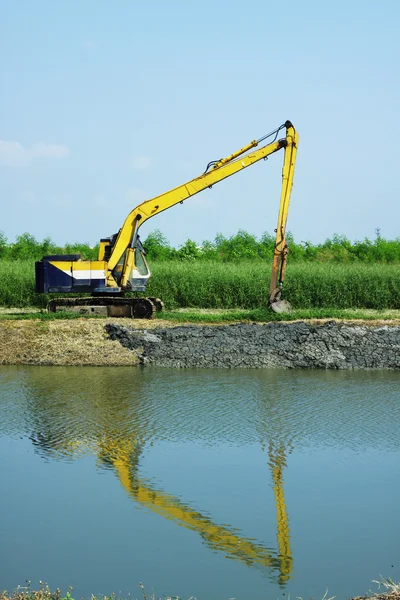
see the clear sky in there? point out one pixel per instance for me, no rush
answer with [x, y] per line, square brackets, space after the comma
[105, 104]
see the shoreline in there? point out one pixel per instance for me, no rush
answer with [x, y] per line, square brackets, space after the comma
[45, 593]
[323, 344]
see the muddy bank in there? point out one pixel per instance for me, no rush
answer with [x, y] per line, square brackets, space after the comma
[301, 345]
[118, 342]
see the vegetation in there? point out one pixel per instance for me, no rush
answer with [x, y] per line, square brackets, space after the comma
[64, 342]
[26, 247]
[245, 285]
[263, 315]
[204, 316]
[242, 246]
[237, 285]
[391, 591]
[233, 273]
[44, 593]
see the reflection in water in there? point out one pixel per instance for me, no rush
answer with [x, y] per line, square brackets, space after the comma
[116, 414]
[124, 458]
[277, 460]
[66, 421]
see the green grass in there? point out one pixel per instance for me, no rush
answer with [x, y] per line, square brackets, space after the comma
[42, 315]
[246, 285]
[195, 315]
[17, 283]
[242, 285]
[266, 315]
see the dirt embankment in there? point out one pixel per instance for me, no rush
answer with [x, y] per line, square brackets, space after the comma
[113, 342]
[75, 342]
[289, 345]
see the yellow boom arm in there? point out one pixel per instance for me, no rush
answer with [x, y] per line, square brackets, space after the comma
[215, 172]
[281, 249]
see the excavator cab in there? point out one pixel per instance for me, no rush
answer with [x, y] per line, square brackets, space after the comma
[140, 271]
[132, 271]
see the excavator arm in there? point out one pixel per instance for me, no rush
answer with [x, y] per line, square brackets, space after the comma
[124, 244]
[281, 249]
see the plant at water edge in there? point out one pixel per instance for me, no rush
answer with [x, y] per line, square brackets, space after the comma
[43, 593]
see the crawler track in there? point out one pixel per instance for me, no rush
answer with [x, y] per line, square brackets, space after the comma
[136, 308]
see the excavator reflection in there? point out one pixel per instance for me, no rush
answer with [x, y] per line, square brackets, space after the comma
[277, 460]
[96, 425]
[124, 459]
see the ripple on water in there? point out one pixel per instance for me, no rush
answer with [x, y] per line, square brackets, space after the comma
[72, 411]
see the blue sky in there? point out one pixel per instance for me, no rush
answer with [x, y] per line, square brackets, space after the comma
[105, 104]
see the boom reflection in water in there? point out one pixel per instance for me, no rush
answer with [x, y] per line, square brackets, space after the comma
[219, 538]
[67, 422]
[173, 479]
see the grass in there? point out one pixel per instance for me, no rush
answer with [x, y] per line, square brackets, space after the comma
[242, 285]
[61, 342]
[246, 284]
[17, 284]
[201, 315]
[45, 593]
[266, 315]
[391, 591]
[42, 315]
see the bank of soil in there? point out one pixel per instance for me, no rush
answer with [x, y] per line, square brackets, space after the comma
[301, 345]
[78, 342]
[114, 342]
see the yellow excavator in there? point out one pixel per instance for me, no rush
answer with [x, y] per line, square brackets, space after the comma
[121, 266]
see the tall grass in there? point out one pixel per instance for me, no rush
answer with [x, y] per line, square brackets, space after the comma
[244, 284]
[17, 284]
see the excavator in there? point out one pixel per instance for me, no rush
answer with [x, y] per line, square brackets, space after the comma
[121, 266]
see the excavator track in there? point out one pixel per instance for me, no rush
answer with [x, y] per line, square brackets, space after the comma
[108, 306]
[159, 304]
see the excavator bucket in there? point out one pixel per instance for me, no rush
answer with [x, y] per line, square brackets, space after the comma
[281, 306]
[277, 305]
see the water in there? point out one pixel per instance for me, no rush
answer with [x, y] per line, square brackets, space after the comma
[206, 483]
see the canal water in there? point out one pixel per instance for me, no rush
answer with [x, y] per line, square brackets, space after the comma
[216, 484]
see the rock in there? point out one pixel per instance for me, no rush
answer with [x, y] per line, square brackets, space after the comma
[295, 345]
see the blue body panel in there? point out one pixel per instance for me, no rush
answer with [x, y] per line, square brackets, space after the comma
[49, 279]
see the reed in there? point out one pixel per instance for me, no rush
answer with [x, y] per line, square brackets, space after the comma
[243, 284]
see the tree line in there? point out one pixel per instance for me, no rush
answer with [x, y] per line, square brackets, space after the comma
[241, 246]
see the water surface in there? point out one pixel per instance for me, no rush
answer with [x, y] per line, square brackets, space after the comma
[206, 483]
